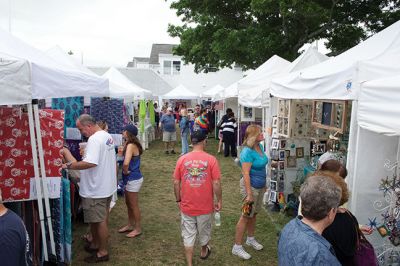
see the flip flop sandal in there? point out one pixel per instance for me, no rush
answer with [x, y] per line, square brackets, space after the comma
[207, 253]
[134, 236]
[126, 230]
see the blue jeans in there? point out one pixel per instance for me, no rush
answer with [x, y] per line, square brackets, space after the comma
[185, 144]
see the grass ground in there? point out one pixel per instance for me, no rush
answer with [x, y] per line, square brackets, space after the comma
[160, 243]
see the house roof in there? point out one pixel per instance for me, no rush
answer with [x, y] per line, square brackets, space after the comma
[143, 77]
[157, 49]
[142, 59]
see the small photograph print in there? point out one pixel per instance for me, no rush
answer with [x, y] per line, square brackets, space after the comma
[281, 175]
[281, 186]
[287, 153]
[382, 230]
[273, 185]
[275, 155]
[275, 132]
[281, 165]
[274, 175]
[272, 196]
[275, 144]
[300, 152]
[281, 155]
[274, 121]
[291, 162]
[282, 144]
[320, 148]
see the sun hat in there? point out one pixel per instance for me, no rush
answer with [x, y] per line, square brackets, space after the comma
[131, 129]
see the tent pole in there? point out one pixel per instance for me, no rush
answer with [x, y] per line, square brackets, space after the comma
[238, 126]
[44, 177]
[37, 179]
[352, 151]
[353, 186]
[263, 124]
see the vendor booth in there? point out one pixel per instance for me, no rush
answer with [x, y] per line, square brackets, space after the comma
[333, 90]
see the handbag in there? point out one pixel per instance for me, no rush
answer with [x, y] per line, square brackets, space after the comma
[365, 253]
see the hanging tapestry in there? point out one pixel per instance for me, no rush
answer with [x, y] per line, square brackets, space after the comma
[110, 111]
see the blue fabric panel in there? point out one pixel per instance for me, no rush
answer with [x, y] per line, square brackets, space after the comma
[109, 110]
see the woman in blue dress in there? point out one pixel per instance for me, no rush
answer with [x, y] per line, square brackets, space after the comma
[253, 161]
[133, 180]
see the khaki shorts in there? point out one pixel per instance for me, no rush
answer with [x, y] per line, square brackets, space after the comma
[258, 194]
[169, 136]
[190, 225]
[95, 210]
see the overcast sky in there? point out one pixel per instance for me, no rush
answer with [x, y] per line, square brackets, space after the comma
[106, 32]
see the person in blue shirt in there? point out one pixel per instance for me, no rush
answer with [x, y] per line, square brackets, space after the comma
[14, 240]
[184, 126]
[253, 161]
[167, 122]
[301, 241]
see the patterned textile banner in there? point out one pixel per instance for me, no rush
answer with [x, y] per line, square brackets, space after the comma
[110, 111]
[16, 163]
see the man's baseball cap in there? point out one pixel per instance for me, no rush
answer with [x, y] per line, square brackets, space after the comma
[169, 109]
[198, 136]
[131, 129]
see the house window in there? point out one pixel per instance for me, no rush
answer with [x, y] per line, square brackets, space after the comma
[167, 68]
[176, 67]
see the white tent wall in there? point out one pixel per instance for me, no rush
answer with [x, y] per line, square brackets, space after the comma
[373, 150]
[15, 82]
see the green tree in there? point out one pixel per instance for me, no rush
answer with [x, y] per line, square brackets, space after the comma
[219, 33]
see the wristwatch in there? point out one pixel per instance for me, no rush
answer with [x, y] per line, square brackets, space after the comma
[68, 165]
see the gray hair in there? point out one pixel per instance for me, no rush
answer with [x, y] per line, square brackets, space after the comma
[86, 119]
[319, 194]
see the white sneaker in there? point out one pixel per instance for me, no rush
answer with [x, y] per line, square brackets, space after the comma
[254, 244]
[241, 253]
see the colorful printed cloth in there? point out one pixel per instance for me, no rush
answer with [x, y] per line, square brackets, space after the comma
[110, 111]
[73, 107]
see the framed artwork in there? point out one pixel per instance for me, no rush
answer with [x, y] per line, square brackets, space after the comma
[275, 144]
[287, 153]
[273, 185]
[274, 121]
[282, 144]
[281, 155]
[291, 162]
[247, 114]
[281, 165]
[300, 152]
[272, 196]
[320, 148]
[382, 230]
[330, 115]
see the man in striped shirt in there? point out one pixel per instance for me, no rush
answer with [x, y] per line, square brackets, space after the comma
[229, 128]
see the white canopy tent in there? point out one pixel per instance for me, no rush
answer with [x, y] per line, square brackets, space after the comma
[340, 77]
[122, 87]
[270, 67]
[181, 92]
[256, 94]
[212, 92]
[377, 150]
[47, 78]
[26, 74]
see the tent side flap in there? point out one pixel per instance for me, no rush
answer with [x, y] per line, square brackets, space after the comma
[15, 80]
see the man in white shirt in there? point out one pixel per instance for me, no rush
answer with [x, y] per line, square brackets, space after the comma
[97, 184]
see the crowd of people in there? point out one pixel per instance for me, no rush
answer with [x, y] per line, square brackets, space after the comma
[323, 233]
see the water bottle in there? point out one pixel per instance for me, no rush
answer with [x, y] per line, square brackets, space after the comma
[217, 219]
